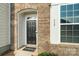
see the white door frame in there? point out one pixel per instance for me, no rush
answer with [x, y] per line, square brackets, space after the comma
[18, 15]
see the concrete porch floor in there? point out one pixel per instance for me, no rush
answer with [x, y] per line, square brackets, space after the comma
[22, 52]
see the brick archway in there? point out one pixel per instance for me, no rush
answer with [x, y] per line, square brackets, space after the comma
[20, 17]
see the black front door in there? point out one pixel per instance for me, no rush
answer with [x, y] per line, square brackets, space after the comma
[31, 32]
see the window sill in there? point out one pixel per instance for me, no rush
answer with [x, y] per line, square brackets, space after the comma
[69, 43]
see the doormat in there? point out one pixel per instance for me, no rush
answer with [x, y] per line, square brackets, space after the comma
[32, 49]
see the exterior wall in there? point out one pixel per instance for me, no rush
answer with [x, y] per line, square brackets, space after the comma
[57, 46]
[4, 27]
[43, 30]
[3, 49]
[65, 49]
[43, 11]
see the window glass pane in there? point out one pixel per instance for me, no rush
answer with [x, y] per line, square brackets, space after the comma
[75, 33]
[69, 20]
[76, 20]
[63, 33]
[63, 8]
[69, 7]
[63, 14]
[69, 27]
[76, 13]
[70, 13]
[69, 33]
[63, 20]
[69, 39]
[75, 39]
[63, 27]
[75, 27]
[63, 39]
[76, 6]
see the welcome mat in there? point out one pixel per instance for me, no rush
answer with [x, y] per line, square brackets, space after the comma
[29, 49]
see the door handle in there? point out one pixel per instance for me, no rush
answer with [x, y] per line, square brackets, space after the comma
[36, 31]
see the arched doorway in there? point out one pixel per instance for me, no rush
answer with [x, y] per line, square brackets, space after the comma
[27, 27]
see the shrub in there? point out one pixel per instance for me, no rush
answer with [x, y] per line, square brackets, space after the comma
[47, 54]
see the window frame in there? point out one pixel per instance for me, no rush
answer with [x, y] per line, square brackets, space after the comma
[67, 25]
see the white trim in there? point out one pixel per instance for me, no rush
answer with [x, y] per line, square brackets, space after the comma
[25, 32]
[18, 31]
[69, 43]
[60, 4]
[55, 24]
[9, 24]
[37, 30]
[69, 24]
[25, 10]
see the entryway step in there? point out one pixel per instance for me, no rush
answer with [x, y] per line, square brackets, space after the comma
[31, 49]
[28, 50]
[31, 45]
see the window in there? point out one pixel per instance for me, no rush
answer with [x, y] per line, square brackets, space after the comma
[63, 20]
[69, 7]
[69, 20]
[76, 6]
[63, 14]
[63, 8]
[76, 13]
[76, 19]
[69, 15]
